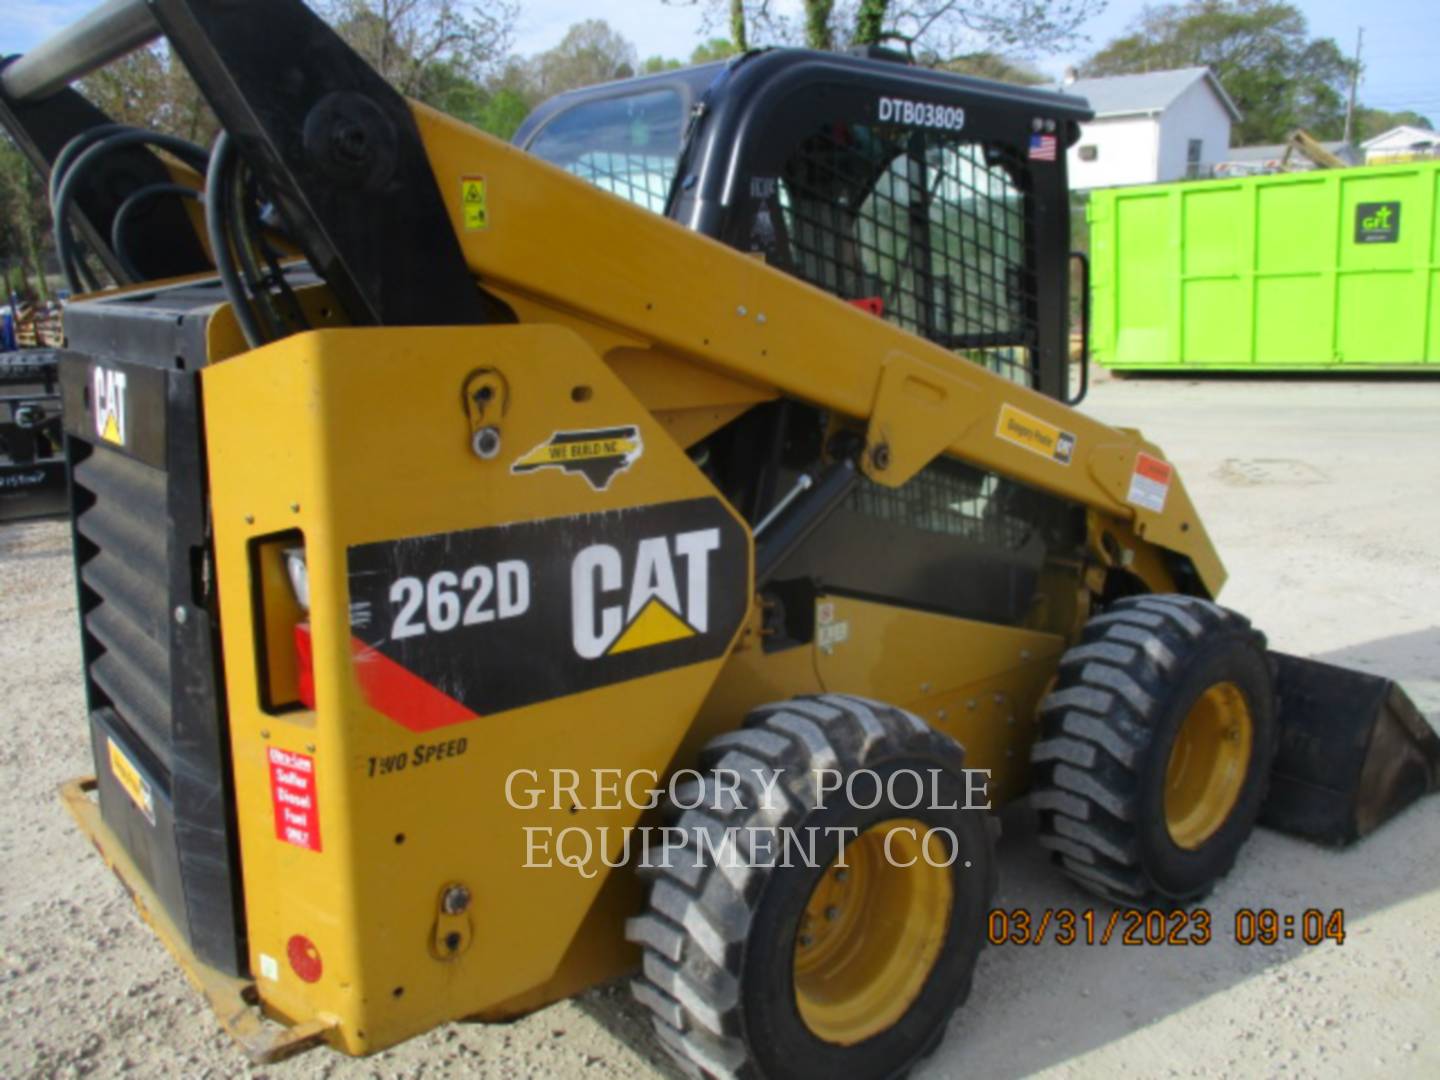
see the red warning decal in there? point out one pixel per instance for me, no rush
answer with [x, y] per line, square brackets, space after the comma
[401, 694]
[1150, 482]
[292, 792]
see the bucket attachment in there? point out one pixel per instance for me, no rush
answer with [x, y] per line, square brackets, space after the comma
[1354, 751]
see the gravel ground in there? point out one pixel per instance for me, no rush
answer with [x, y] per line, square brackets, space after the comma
[1324, 499]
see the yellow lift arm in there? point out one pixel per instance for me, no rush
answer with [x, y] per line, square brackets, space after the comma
[645, 291]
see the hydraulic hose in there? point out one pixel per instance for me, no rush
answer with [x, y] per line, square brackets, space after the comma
[65, 247]
[127, 210]
[217, 188]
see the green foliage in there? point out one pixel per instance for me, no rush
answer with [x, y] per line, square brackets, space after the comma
[948, 29]
[989, 65]
[442, 85]
[870, 21]
[590, 52]
[717, 48]
[151, 89]
[817, 23]
[653, 65]
[403, 39]
[503, 113]
[737, 25]
[24, 224]
[1372, 122]
[1279, 77]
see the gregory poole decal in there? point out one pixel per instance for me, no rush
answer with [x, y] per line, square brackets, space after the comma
[596, 454]
[1047, 440]
[465, 624]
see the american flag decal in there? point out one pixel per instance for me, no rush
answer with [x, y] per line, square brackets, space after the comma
[1042, 147]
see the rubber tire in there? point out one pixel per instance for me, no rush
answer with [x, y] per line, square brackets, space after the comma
[1106, 734]
[717, 973]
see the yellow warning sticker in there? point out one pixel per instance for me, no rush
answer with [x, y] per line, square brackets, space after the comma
[473, 204]
[130, 779]
[1035, 435]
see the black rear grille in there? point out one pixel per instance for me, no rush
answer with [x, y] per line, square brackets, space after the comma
[126, 568]
[149, 632]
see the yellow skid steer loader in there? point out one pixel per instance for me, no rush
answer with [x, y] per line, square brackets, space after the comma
[649, 549]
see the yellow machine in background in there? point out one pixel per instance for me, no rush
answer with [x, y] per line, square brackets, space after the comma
[474, 609]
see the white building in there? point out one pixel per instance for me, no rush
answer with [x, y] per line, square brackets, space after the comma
[1150, 128]
[1404, 143]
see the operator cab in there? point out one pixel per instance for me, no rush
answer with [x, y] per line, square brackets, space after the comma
[936, 201]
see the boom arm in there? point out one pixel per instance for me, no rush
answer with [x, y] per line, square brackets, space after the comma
[558, 249]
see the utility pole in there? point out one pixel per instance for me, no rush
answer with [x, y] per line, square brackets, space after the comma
[1354, 83]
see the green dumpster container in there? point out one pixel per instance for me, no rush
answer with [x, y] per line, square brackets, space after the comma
[1337, 268]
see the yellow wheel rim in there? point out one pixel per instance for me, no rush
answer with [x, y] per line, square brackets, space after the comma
[872, 931]
[1208, 764]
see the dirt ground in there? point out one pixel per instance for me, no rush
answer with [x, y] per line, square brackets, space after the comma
[1324, 499]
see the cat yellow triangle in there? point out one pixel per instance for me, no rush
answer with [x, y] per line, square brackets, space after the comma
[111, 431]
[655, 625]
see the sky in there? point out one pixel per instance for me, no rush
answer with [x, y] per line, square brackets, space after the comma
[1401, 50]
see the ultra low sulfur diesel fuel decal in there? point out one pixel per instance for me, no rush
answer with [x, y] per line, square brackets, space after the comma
[457, 625]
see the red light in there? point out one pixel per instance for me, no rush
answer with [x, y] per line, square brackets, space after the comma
[305, 664]
[304, 958]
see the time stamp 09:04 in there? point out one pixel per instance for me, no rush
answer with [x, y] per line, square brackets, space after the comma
[1138, 926]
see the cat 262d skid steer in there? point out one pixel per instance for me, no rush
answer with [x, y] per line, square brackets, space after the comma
[446, 519]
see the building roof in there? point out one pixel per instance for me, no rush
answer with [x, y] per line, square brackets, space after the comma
[1145, 94]
[1402, 137]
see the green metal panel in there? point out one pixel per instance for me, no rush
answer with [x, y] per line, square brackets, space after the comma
[1326, 269]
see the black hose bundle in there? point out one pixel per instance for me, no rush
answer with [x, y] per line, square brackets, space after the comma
[72, 164]
[265, 306]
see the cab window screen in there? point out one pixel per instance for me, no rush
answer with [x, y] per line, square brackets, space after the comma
[930, 229]
[952, 499]
[626, 145]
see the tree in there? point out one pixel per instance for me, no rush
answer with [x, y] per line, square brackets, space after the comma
[404, 39]
[151, 89]
[24, 223]
[444, 86]
[818, 34]
[870, 22]
[503, 113]
[945, 29]
[748, 22]
[653, 65]
[737, 25]
[590, 52]
[1371, 122]
[989, 65]
[939, 30]
[717, 48]
[1278, 76]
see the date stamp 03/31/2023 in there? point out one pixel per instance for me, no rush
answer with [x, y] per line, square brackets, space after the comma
[1140, 926]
